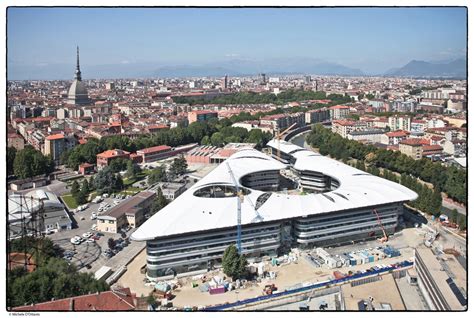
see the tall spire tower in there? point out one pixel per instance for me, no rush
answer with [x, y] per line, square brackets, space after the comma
[78, 69]
[77, 94]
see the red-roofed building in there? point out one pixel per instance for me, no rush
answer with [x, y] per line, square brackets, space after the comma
[154, 153]
[86, 168]
[136, 158]
[104, 158]
[201, 115]
[156, 128]
[394, 137]
[115, 300]
[54, 145]
[430, 150]
[412, 147]
[339, 111]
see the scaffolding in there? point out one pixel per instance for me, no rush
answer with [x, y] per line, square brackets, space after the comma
[25, 222]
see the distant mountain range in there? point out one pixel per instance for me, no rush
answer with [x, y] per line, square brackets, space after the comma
[242, 67]
[456, 68]
[231, 67]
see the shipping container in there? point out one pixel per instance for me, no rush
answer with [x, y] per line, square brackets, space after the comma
[217, 290]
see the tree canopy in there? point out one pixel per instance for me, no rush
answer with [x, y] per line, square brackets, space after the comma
[450, 180]
[30, 162]
[234, 265]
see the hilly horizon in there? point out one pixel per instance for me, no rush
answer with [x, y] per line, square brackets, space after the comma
[454, 68]
[231, 67]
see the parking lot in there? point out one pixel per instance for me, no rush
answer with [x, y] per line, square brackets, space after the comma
[89, 256]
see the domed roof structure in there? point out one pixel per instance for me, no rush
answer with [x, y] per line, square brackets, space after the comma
[77, 94]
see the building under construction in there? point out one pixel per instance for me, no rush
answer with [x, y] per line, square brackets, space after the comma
[307, 200]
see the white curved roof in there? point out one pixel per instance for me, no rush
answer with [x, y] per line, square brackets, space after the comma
[22, 205]
[189, 213]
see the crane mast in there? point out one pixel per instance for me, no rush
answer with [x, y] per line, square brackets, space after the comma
[239, 209]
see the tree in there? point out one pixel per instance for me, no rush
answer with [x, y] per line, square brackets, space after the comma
[132, 170]
[462, 222]
[179, 166]
[118, 164]
[75, 188]
[30, 162]
[234, 264]
[454, 216]
[55, 279]
[106, 181]
[111, 243]
[217, 139]
[80, 197]
[151, 300]
[157, 175]
[205, 140]
[11, 153]
[159, 202]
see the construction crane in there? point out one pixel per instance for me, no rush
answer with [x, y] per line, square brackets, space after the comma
[385, 237]
[279, 135]
[240, 199]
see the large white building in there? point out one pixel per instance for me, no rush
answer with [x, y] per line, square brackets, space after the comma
[37, 210]
[312, 200]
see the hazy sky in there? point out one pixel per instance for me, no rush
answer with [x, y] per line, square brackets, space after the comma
[372, 39]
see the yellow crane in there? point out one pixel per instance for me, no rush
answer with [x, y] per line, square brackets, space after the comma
[278, 137]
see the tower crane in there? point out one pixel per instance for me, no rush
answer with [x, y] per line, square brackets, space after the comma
[279, 135]
[385, 237]
[240, 199]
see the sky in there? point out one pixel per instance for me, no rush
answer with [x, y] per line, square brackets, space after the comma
[371, 39]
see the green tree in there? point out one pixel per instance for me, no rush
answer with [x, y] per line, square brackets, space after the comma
[179, 166]
[151, 300]
[11, 153]
[462, 222]
[132, 170]
[56, 279]
[234, 265]
[107, 182]
[159, 202]
[80, 197]
[454, 216]
[75, 188]
[205, 141]
[30, 162]
[217, 139]
[119, 164]
[157, 175]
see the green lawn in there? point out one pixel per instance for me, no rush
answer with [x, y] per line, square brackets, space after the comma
[130, 191]
[69, 201]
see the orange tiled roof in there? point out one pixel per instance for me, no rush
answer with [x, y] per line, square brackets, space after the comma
[55, 137]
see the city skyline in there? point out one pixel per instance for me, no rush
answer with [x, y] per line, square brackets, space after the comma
[164, 37]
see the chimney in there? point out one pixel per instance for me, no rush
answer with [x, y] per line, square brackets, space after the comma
[71, 304]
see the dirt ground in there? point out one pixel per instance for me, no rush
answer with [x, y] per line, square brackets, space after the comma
[133, 278]
[287, 276]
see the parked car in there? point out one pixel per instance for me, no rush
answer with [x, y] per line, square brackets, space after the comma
[87, 235]
[76, 240]
[91, 240]
[93, 216]
[94, 227]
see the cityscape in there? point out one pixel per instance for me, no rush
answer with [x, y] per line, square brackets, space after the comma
[216, 160]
